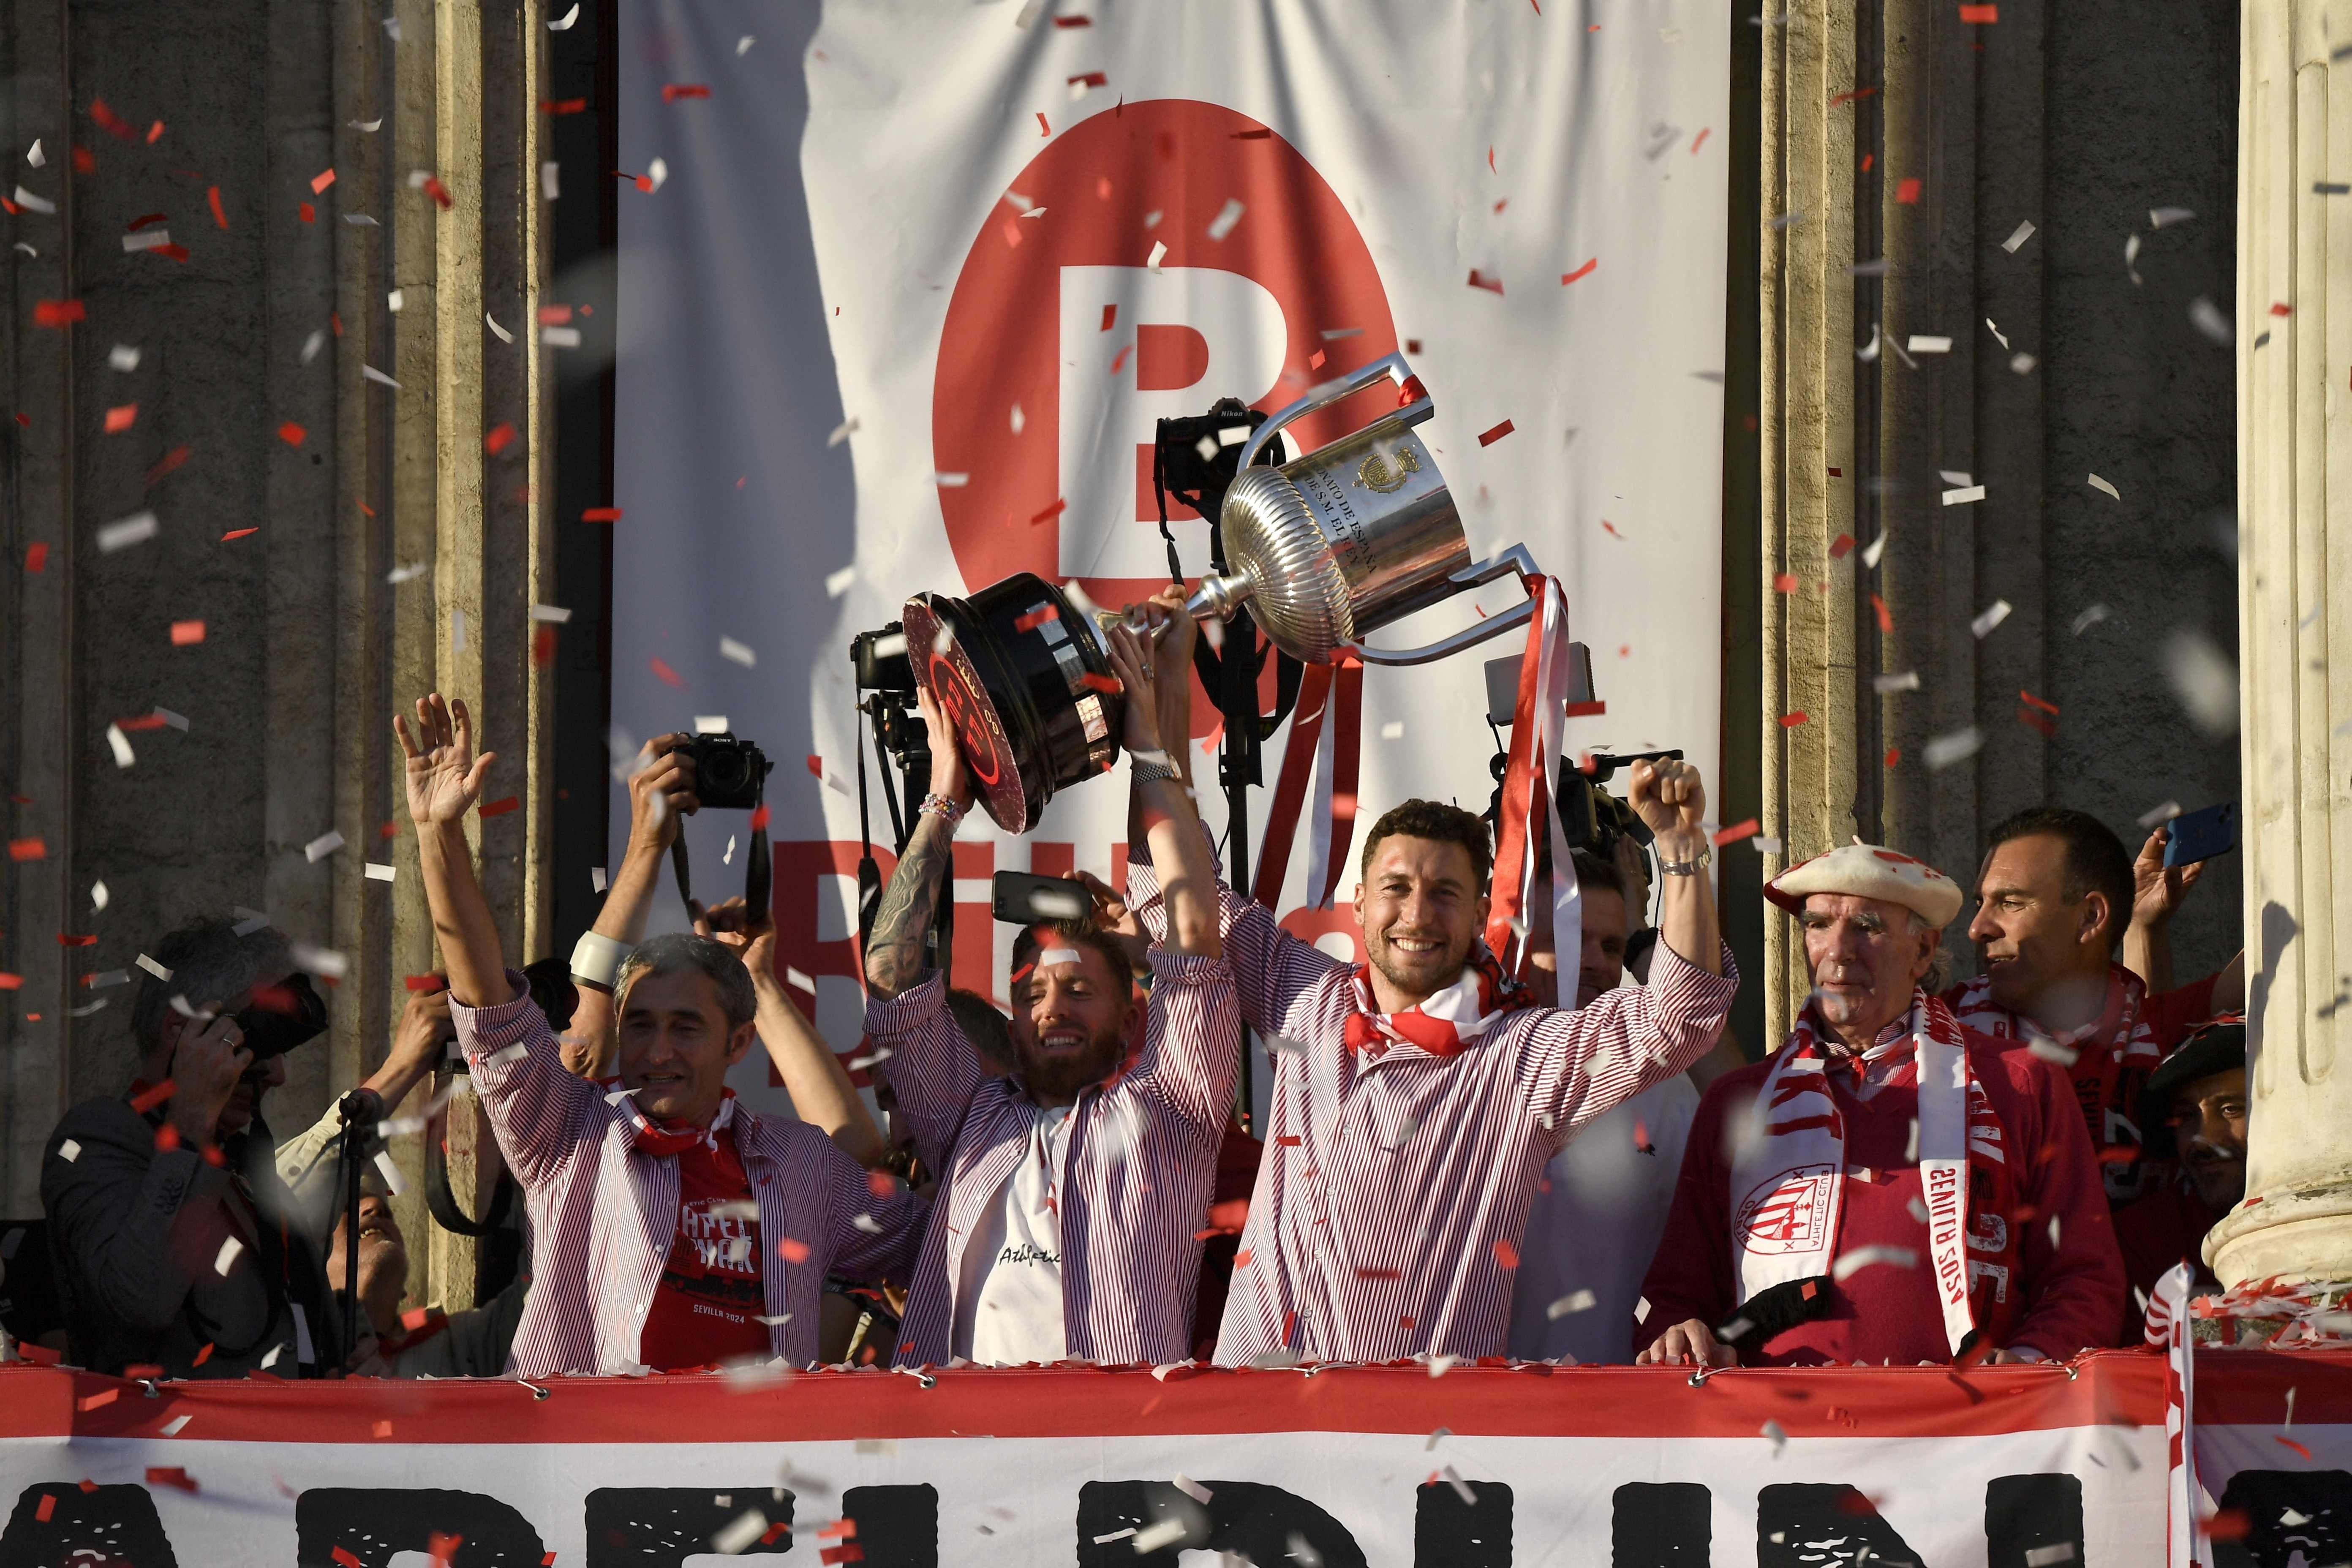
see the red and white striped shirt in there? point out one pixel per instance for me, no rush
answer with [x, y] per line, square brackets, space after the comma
[1136, 1164]
[1395, 1187]
[604, 1214]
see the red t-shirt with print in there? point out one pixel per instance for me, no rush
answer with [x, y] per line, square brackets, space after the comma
[708, 1307]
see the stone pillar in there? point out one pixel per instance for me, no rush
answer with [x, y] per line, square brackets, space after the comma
[1806, 425]
[2295, 441]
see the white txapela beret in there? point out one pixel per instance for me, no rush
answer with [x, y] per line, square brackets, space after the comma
[1867, 871]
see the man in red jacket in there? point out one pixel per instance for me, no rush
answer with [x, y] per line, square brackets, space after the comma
[1886, 1187]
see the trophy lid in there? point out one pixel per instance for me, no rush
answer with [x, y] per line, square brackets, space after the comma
[1023, 677]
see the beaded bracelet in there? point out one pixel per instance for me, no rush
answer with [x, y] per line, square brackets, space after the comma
[940, 806]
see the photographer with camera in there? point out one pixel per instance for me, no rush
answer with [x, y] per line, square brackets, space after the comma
[1447, 1068]
[176, 1245]
[1075, 1188]
[670, 1228]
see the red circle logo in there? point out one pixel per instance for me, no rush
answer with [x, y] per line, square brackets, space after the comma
[968, 710]
[1065, 339]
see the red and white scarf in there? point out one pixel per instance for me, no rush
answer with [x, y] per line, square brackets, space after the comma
[2107, 1060]
[666, 1136]
[1787, 1181]
[1445, 1024]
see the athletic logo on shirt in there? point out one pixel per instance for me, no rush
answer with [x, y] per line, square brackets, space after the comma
[1023, 1252]
[1789, 1217]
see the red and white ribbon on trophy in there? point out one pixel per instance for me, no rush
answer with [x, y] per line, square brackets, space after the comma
[1327, 737]
[1538, 720]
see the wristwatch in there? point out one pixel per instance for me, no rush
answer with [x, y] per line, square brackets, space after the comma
[1145, 772]
[1691, 868]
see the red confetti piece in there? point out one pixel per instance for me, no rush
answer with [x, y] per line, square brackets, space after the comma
[600, 514]
[307, 213]
[167, 462]
[1886, 616]
[1036, 618]
[562, 105]
[1735, 832]
[1241, 1258]
[1907, 191]
[1584, 272]
[1107, 684]
[760, 817]
[2042, 723]
[439, 192]
[383, 1428]
[1980, 14]
[2047, 707]
[1837, 473]
[1505, 1253]
[2280, 310]
[1011, 232]
[1315, 361]
[1893, 755]
[184, 633]
[46, 1506]
[67, 939]
[212, 194]
[1840, 546]
[1042, 129]
[56, 312]
[203, 1355]
[37, 556]
[1050, 513]
[176, 252]
[237, 533]
[155, 133]
[142, 721]
[109, 121]
[792, 1251]
[1480, 280]
[1073, 21]
[847, 1552]
[1091, 79]
[26, 849]
[1784, 582]
[170, 1476]
[1488, 437]
[664, 674]
[121, 417]
[500, 807]
[320, 181]
[146, 219]
[839, 1529]
[1406, 1322]
[148, 1099]
[345, 1557]
[674, 90]
[543, 646]
[1593, 710]
[2228, 1523]
[441, 1548]
[1859, 93]
[1791, 721]
[2286, 1441]
[293, 435]
[815, 766]
[499, 439]
[1699, 141]
[103, 1396]
[782, 1528]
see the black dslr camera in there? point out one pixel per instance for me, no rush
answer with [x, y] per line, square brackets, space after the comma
[1590, 816]
[879, 659]
[728, 773]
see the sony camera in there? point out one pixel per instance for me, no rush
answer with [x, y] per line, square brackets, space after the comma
[728, 773]
[1590, 816]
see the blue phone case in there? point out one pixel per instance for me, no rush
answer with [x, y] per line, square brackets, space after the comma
[2202, 835]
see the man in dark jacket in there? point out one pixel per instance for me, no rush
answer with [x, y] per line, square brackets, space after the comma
[177, 1248]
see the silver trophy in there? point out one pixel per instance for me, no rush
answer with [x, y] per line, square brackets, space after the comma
[1329, 548]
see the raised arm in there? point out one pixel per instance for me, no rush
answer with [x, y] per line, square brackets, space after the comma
[1155, 666]
[819, 1084]
[445, 778]
[894, 954]
[660, 790]
[1673, 803]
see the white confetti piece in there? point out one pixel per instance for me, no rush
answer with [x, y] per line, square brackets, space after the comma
[1873, 551]
[740, 1533]
[226, 1255]
[1999, 336]
[1918, 1210]
[372, 374]
[1765, 844]
[1962, 495]
[794, 977]
[48, 208]
[2021, 363]
[1574, 1301]
[1431, 1445]
[1853, 1262]
[842, 432]
[2205, 678]
[1114, 1535]
[869, 1224]
[1785, 220]
[361, 220]
[1956, 476]
[154, 968]
[951, 481]
[2165, 218]
[377, 871]
[2045, 1556]
[491, 322]
[1282, 1045]
[1959, 746]
[737, 653]
[563, 24]
[560, 337]
[743, 45]
[513, 1053]
[176, 721]
[2207, 319]
[2131, 259]
[656, 172]
[2090, 617]
[1991, 616]
[124, 532]
[836, 584]
[122, 357]
[249, 921]
[859, 1064]
[99, 896]
[2097, 483]
[2165, 813]
[399, 574]
[1461, 1487]
[2054, 1229]
[1192, 1488]
[1207, 447]
[176, 1426]
[2018, 235]
[554, 614]
[1227, 215]
[551, 181]
[69, 1150]
[1393, 731]
[1168, 1532]
[729, 857]
[1439, 1365]
[319, 848]
[710, 723]
[1019, 419]
[312, 345]
[272, 1359]
[394, 300]
[1906, 682]
[35, 156]
[1779, 1437]
[596, 878]
[1928, 343]
[1159, 249]
[119, 744]
[106, 977]
[2052, 1052]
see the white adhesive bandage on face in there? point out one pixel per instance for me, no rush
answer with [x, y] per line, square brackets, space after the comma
[1057, 955]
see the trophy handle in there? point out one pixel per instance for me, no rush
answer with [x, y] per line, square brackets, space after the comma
[1390, 368]
[1514, 561]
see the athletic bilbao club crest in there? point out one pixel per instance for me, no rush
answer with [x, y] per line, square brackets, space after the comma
[1789, 1217]
[1071, 333]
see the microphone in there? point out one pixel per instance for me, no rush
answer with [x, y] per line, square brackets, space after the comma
[361, 1108]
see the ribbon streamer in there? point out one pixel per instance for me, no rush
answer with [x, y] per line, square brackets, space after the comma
[1538, 720]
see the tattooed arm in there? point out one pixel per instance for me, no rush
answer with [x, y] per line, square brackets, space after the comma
[894, 955]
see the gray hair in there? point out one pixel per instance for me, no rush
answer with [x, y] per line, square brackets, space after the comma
[210, 963]
[678, 951]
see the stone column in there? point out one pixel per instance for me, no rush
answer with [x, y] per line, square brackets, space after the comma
[1806, 424]
[2294, 442]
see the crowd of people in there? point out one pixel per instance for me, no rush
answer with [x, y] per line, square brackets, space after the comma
[1459, 1160]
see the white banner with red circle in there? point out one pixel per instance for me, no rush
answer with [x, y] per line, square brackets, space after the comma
[917, 280]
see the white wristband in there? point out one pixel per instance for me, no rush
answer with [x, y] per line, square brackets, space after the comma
[596, 959]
